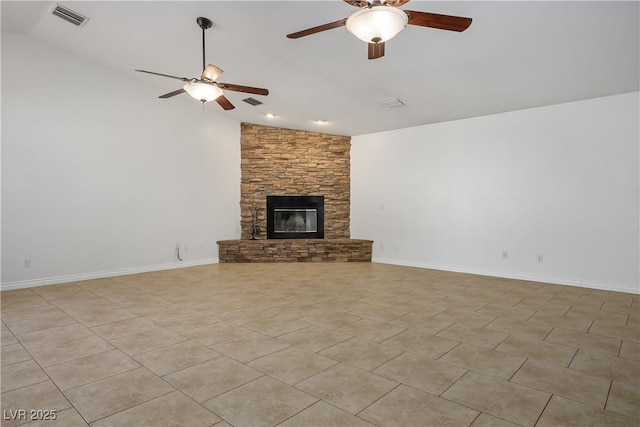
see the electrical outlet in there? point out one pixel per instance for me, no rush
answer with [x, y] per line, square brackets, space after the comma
[381, 245]
[27, 263]
[540, 259]
[505, 255]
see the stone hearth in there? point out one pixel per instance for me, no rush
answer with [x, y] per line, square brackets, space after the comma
[295, 250]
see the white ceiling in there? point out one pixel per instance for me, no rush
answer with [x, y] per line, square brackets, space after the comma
[515, 55]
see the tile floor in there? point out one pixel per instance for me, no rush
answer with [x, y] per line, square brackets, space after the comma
[331, 344]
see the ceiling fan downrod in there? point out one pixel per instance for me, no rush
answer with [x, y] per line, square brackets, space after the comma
[203, 23]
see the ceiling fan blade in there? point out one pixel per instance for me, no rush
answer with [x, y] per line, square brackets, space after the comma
[318, 29]
[441, 22]
[210, 73]
[240, 88]
[174, 93]
[224, 102]
[184, 79]
[376, 50]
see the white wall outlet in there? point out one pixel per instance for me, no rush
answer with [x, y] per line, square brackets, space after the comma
[505, 254]
[27, 263]
[381, 245]
[540, 259]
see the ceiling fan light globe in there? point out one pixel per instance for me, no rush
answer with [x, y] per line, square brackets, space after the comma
[202, 91]
[377, 24]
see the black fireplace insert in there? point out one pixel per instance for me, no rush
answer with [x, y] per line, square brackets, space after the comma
[295, 217]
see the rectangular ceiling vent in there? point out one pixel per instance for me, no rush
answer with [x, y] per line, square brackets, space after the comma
[69, 15]
[252, 101]
[391, 102]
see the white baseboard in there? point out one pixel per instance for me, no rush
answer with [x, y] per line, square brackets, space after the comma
[104, 274]
[528, 277]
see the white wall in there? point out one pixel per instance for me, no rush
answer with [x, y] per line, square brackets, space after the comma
[100, 177]
[559, 181]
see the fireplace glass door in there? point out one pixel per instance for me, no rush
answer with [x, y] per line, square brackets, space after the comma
[295, 220]
[295, 217]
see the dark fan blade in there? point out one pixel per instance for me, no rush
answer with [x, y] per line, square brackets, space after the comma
[441, 22]
[376, 50]
[170, 94]
[318, 29]
[224, 102]
[184, 79]
[239, 88]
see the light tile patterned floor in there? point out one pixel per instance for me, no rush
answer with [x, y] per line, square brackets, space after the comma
[322, 344]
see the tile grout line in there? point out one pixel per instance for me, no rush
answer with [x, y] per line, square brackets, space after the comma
[378, 399]
[544, 409]
[606, 401]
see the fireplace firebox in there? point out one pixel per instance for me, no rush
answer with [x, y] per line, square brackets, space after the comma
[295, 217]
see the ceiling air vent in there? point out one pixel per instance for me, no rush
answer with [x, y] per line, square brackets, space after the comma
[391, 102]
[252, 101]
[69, 15]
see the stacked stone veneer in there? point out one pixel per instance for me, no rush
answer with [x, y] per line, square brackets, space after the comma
[295, 250]
[286, 162]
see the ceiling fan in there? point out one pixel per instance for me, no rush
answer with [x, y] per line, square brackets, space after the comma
[206, 88]
[379, 20]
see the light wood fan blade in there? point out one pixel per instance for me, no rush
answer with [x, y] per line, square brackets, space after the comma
[318, 29]
[246, 89]
[174, 93]
[184, 79]
[376, 50]
[224, 102]
[441, 22]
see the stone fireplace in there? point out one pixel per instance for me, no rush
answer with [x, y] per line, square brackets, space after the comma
[289, 163]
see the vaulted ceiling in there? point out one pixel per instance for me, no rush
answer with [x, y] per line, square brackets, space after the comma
[515, 55]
